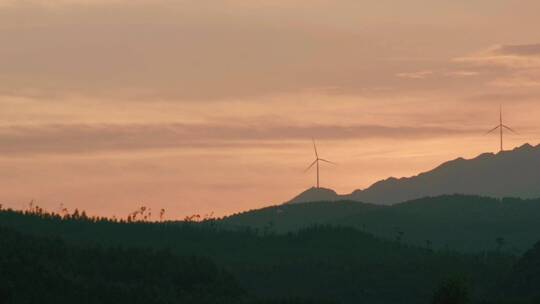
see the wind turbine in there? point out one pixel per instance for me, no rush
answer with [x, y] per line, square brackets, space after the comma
[316, 162]
[501, 128]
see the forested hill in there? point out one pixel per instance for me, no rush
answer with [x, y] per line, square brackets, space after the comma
[291, 217]
[337, 264]
[525, 279]
[48, 271]
[457, 222]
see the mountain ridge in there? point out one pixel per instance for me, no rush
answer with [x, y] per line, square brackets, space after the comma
[476, 176]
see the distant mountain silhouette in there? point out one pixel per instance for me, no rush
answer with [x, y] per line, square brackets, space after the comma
[316, 195]
[506, 174]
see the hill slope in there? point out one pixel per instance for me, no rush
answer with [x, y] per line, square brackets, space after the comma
[333, 263]
[316, 195]
[292, 217]
[458, 222]
[506, 174]
[43, 270]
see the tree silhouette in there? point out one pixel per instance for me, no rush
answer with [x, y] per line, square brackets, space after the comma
[429, 244]
[500, 243]
[452, 291]
[399, 234]
[267, 264]
[5, 295]
[161, 214]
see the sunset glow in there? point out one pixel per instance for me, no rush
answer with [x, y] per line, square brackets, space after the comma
[204, 107]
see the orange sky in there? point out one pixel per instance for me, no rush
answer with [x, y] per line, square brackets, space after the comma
[209, 106]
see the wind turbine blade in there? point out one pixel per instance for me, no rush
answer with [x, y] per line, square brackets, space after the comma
[327, 161]
[497, 127]
[510, 129]
[310, 166]
[315, 148]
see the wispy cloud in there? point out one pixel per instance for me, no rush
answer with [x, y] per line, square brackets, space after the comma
[520, 49]
[461, 73]
[509, 66]
[505, 56]
[521, 79]
[503, 97]
[208, 50]
[415, 75]
[66, 139]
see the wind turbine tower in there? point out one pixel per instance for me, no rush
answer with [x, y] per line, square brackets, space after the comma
[501, 128]
[316, 162]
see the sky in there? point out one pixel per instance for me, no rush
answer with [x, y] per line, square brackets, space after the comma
[209, 107]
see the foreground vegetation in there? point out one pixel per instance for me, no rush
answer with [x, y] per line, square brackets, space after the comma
[102, 260]
[41, 270]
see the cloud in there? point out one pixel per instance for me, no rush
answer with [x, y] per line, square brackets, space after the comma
[184, 50]
[520, 49]
[508, 66]
[504, 61]
[89, 139]
[502, 97]
[505, 56]
[438, 74]
[462, 73]
[207, 50]
[415, 75]
[521, 79]
[167, 51]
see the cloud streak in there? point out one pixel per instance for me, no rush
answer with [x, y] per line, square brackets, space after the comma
[510, 66]
[520, 49]
[206, 50]
[88, 139]
[506, 56]
[415, 75]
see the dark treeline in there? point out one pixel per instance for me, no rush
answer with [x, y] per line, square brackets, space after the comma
[40, 270]
[525, 279]
[335, 264]
[44, 270]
